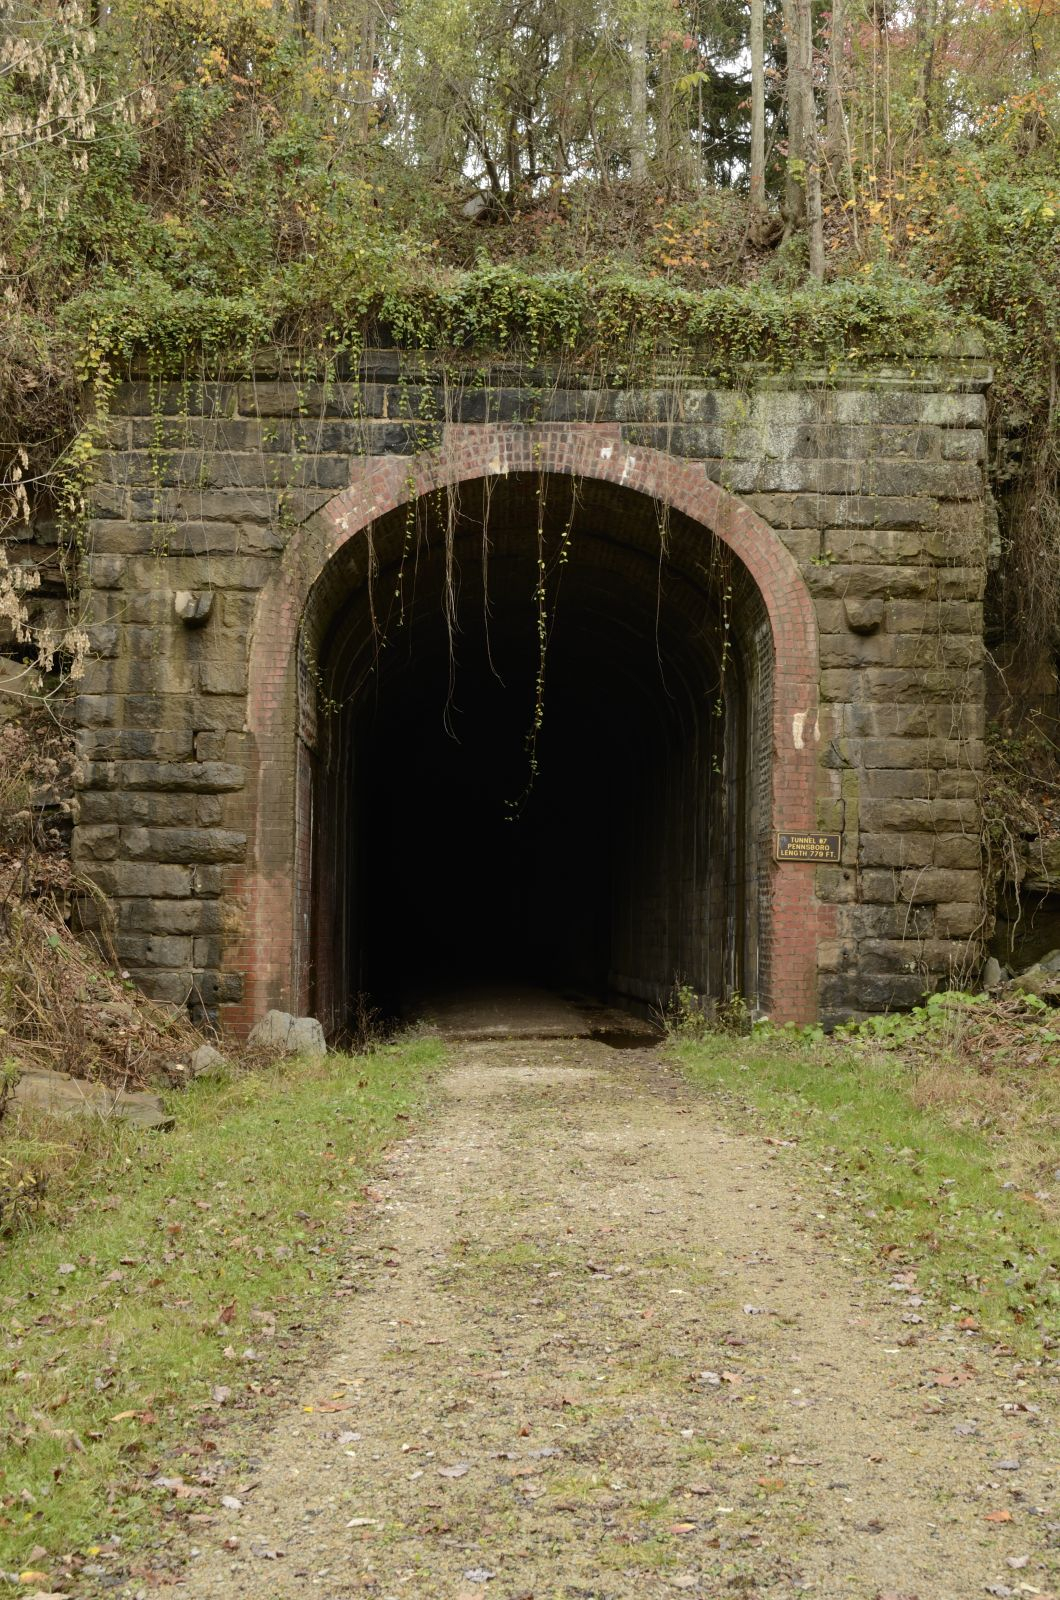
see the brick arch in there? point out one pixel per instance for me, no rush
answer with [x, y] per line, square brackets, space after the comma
[264, 949]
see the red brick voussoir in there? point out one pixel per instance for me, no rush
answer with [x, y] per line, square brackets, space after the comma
[265, 949]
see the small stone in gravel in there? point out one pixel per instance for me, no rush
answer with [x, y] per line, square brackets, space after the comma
[1008, 1466]
[457, 1471]
[479, 1575]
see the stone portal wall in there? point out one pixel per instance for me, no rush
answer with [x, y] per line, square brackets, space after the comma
[873, 483]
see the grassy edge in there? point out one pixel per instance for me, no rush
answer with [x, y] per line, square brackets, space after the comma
[914, 1189]
[158, 1302]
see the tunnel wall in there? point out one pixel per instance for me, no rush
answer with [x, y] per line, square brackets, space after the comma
[858, 501]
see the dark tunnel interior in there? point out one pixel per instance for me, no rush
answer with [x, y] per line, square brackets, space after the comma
[533, 757]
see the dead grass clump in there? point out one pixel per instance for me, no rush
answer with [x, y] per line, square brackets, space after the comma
[65, 1003]
[63, 1007]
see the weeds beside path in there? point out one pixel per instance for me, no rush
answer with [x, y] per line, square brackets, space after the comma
[157, 1295]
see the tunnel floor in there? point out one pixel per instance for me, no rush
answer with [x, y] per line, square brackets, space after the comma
[524, 1011]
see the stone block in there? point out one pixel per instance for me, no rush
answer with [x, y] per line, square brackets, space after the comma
[836, 955]
[937, 956]
[935, 616]
[959, 919]
[961, 583]
[187, 917]
[848, 649]
[951, 480]
[118, 538]
[895, 547]
[896, 849]
[836, 885]
[892, 920]
[154, 950]
[237, 610]
[920, 886]
[97, 710]
[955, 410]
[962, 850]
[224, 678]
[209, 810]
[165, 987]
[933, 683]
[150, 400]
[97, 842]
[205, 539]
[967, 445]
[934, 649]
[103, 571]
[177, 776]
[914, 752]
[125, 744]
[207, 880]
[183, 844]
[152, 879]
[146, 807]
[218, 988]
[207, 950]
[840, 581]
[892, 991]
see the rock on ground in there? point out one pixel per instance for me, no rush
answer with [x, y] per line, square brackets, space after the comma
[64, 1096]
[595, 1344]
[204, 1060]
[290, 1036]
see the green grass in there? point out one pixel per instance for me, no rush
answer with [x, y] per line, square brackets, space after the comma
[158, 1254]
[915, 1153]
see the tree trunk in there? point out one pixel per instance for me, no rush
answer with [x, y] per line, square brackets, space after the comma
[758, 108]
[795, 171]
[638, 158]
[664, 121]
[835, 116]
[926, 21]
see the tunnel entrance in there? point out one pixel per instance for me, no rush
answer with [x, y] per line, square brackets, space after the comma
[534, 748]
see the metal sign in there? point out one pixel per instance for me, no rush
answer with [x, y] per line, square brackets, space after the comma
[808, 846]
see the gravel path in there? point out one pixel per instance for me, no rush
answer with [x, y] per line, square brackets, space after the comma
[604, 1349]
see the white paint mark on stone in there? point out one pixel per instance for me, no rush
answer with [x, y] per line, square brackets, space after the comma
[606, 452]
[630, 463]
[798, 723]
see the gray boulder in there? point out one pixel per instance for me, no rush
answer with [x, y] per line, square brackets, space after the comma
[205, 1059]
[289, 1036]
[1036, 980]
[992, 973]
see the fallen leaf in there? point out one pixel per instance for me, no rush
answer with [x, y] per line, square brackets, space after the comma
[998, 1516]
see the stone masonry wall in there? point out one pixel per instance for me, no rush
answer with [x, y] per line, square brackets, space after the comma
[874, 484]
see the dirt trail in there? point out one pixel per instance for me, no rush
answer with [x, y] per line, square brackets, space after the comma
[600, 1352]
